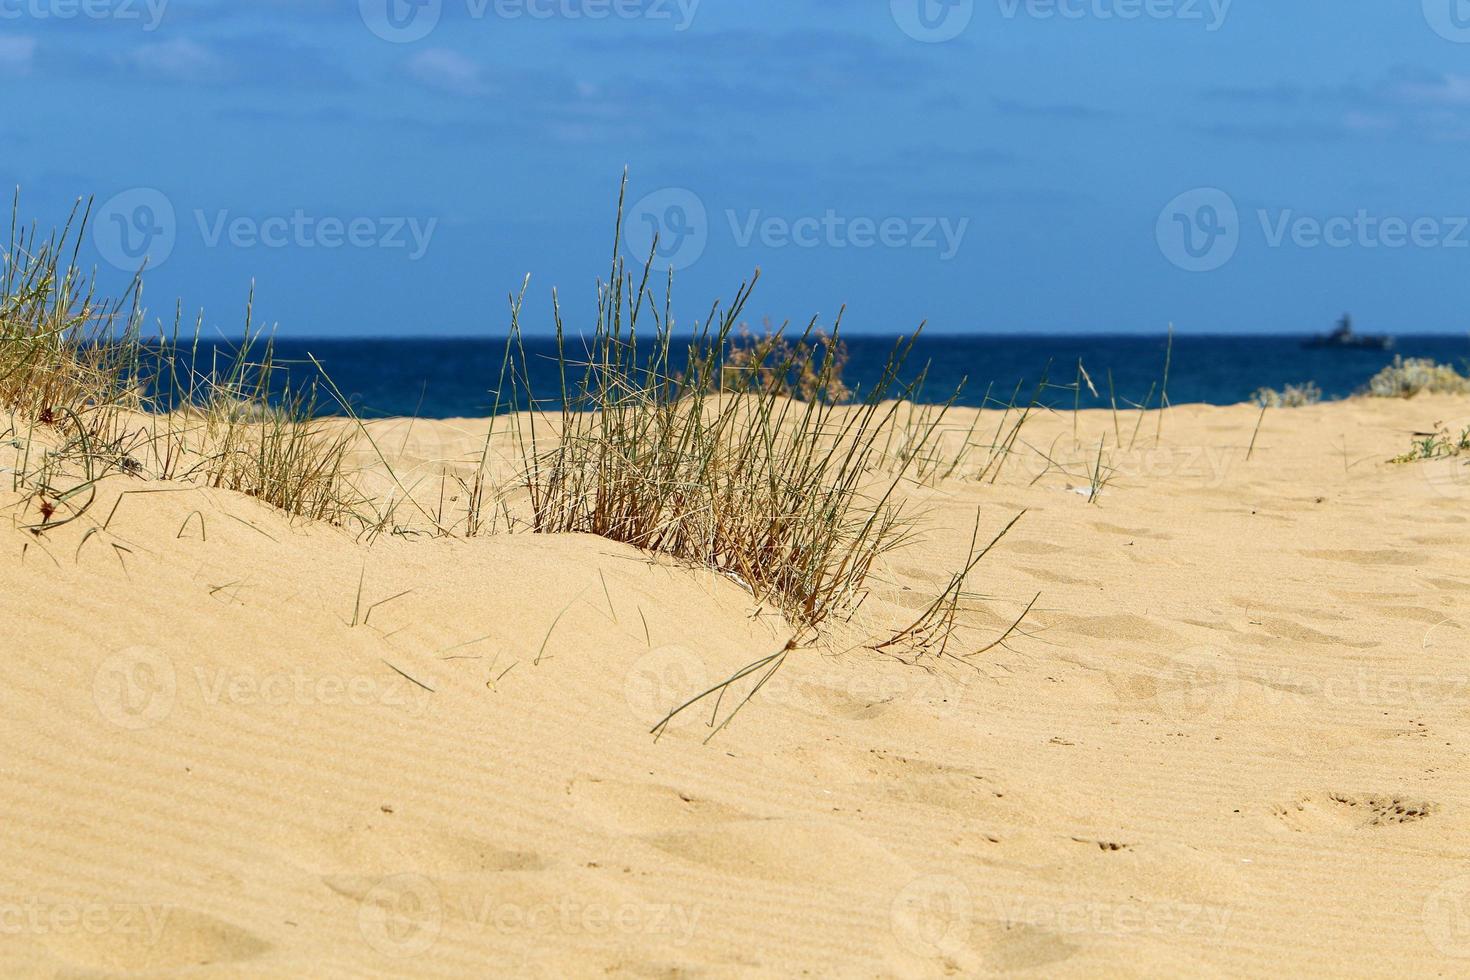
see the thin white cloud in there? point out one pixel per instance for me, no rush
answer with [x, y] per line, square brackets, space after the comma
[179, 60]
[448, 71]
[1405, 102]
[17, 54]
[1443, 90]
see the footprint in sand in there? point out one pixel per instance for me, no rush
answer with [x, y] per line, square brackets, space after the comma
[635, 807]
[151, 939]
[913, 780]
[1287, 629]
[780, 850]
[1344, 811]
[1383, 556]
[1125, 626]
[1022, 946]
[1133, 532]
[386, 847]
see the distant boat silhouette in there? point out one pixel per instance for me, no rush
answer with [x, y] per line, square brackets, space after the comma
[1344, 338]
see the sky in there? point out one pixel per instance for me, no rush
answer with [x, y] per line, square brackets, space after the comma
[398, 167]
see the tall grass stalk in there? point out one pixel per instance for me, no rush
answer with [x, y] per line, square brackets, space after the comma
[648, 448]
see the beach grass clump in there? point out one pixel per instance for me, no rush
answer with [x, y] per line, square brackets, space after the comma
[1407, 377]
[75, 365]
[1291, 396]
[273, 445]
[655, 443]
[63, 350]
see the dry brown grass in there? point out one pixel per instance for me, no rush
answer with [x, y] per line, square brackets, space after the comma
[656, 442]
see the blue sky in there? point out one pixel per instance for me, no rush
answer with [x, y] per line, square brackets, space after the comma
[398, 166]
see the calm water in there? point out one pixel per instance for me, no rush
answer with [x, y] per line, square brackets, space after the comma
[445, 378]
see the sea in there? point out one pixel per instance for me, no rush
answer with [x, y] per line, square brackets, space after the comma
[458, 378]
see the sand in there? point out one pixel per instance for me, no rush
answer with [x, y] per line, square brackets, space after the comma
[1230, 739]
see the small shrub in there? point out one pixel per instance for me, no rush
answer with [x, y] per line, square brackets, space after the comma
[809, 368]
[1407, 377]
[1291, 396]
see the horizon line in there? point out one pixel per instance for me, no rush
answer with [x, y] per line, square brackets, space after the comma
[878, 335]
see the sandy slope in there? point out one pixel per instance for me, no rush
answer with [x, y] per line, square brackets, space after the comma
[1233, 736]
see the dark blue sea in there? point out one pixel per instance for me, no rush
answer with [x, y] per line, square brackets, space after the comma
[448, 378]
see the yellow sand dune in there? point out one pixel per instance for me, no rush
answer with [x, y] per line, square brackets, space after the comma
[1230, 739]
